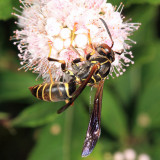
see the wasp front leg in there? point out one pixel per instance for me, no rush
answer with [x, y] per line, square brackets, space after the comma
[119, 53]
[50, 51]
[88, 56]
[63, 66]
[71, 45]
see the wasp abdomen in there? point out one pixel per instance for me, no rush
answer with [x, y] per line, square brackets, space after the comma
[53, 91]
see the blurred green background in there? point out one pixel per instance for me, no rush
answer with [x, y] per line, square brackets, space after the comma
[31, 129]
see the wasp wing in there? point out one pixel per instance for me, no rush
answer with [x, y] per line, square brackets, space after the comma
[80, 89]
[91, 98]
[94, 130]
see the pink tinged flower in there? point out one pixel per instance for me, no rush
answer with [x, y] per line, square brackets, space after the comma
[52, 31]
[46, 27]
[130, 154]
[144, 157]
[118, 156]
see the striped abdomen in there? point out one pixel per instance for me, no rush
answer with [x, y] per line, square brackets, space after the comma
[57, 91]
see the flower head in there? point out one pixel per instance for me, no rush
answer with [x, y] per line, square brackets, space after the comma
[47, 27]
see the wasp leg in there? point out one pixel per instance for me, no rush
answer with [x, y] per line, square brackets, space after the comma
[63, 63]
[73, 33]
[75, 61]
[91, 46]
[88, 56]
[63, 66]
[75, 64]
[50, 75]
[50, 48]
[72, 38]
[89, 39]
[74, 49]
[49, 71]
[119, 53]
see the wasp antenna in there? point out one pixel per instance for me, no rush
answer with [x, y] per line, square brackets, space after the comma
[105, 24]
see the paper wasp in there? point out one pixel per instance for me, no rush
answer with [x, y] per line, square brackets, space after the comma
[92, 72]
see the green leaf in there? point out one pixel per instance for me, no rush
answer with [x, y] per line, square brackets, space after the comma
[148, 100]
[6, 8]
[151, 69]
[4, 115]
[153, 2]
[131, 2]
[38, 114]
[148, 109]
[14, 85]
[146, 15]
[49, 142]
[123, 88]
[154, 150]
[155, 154]
[67, 143]
[113, 117]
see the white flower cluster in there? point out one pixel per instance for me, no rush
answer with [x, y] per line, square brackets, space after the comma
[130, 154]
[47, 26]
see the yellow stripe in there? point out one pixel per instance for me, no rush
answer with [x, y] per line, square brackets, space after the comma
[38, 90]
[70, 72]
[99, 75]
[67, 90]
[43, 91]
[77, 79]
[50, 91]
[106, 61]
[94, 79]
[93, 62]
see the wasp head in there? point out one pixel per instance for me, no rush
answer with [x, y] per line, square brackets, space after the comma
[106, 51]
